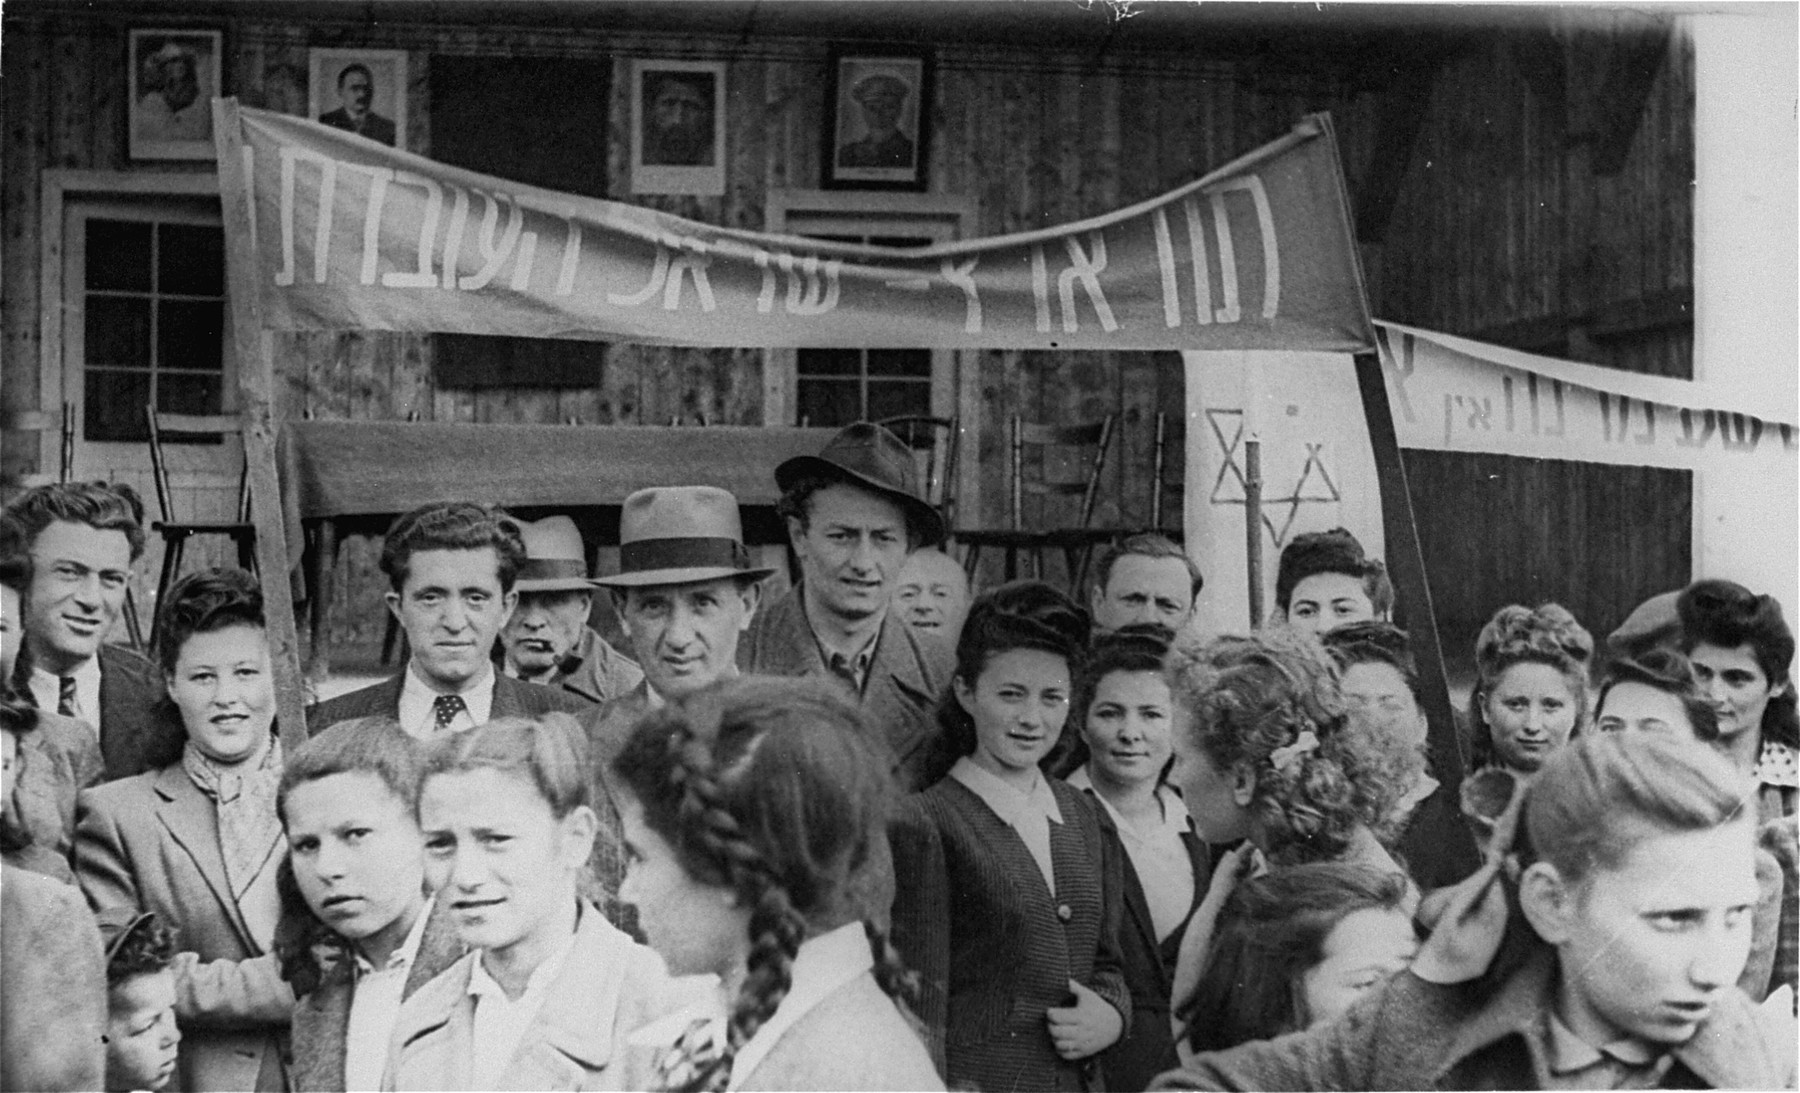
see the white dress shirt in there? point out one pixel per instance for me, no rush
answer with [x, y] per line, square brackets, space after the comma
[374, 1006]
[1030, 813]
[501, 1022]
[1158, 856]
[419, 718]
[46, 689]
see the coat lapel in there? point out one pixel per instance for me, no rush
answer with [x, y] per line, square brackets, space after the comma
[783, 643]
[572, 1036]
[439, 948]
[192, 822]
[321, 1028]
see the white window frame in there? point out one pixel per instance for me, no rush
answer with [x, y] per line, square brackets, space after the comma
[955, 387]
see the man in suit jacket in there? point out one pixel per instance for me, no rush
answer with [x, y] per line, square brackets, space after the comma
[451, 568]
[82, 538]
[853, 512]
[356, 91]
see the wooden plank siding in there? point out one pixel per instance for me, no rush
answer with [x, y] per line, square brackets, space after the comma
[1497, 220]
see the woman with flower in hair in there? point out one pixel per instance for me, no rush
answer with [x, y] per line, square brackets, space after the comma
[1010, 900]
[1266, 756]
[1599, 949]
[749, 812]
[551, 989]
[1530, 691]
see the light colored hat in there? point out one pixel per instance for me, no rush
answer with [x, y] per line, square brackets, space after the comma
[553, 557]
[681, 535]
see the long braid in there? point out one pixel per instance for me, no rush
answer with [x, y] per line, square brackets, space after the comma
[776, 928]
[891, 973]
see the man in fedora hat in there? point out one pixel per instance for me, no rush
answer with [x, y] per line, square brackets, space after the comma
[685, 591]
[853, 513]
[548, 640]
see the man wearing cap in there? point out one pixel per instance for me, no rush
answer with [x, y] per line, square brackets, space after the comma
[853, 513]
[548, 640]
[685, 591]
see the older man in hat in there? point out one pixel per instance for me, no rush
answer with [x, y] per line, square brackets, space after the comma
[548, 640]
[685, 591]
[853, 513]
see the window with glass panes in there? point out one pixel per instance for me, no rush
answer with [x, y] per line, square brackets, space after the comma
[838, 386]
[153, 323]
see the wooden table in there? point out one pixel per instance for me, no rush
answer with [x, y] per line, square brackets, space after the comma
[354, 477]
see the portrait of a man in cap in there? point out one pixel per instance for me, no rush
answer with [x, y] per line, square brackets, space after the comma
[882, 100]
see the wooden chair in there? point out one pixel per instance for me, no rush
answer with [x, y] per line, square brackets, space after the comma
[1076, 540]
[1170, 454]
[175, 532]
[934, 444]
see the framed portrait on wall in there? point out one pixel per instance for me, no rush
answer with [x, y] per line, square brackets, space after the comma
[175, 74]
[878, 123]
[361, 91]
[678, 127]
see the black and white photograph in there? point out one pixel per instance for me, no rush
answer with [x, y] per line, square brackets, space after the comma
[361, 91]
[174, 75]
[678, 127]
[1081, 545]
[876, 138]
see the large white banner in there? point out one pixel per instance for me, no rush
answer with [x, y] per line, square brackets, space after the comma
[1447, 394]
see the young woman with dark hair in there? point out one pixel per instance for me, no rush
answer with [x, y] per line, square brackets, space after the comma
[1742, 650]
[1120, 723]
[1610, 962]
[750, 811]
[1011, 897]
[1294, 949]
[198, 841]
[550, 990]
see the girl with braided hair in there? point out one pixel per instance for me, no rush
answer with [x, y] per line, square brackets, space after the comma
[1011, 905]
[551, 989]
[750, 813]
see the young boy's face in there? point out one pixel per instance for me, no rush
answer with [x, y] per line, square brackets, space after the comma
[357, 854]
[141, 1036]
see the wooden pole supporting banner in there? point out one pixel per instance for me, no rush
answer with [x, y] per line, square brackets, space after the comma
[254, 347]
[1406, 563]
[1253, 518]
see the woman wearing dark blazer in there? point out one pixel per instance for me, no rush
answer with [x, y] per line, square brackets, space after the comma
[1012, 902]
[198, 841]
[1120, 754]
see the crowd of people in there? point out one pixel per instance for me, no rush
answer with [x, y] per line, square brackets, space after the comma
[876, 833]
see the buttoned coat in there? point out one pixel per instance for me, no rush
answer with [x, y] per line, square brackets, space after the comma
[609, 986]
[151, 843]
[322, 1017]
[512, 698]
[993, 945]
[908, 676]
[1410, 1034]
[58, 759]
[53, 994]
[1148, 1046]
[140, 729]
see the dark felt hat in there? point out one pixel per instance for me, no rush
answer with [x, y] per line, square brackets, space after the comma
[867, 455]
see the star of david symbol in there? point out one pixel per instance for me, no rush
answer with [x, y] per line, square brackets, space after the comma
[1313, 486]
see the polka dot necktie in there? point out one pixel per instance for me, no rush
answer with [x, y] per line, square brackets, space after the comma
[445, 708]
[66, 705]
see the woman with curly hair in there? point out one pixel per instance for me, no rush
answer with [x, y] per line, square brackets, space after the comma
[1295, 948]
[1530, 692]
[1011, 901]
[749, 813]
[551, 990]
[1742, 649]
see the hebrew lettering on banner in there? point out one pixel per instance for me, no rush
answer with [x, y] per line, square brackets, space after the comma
[356, 235]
